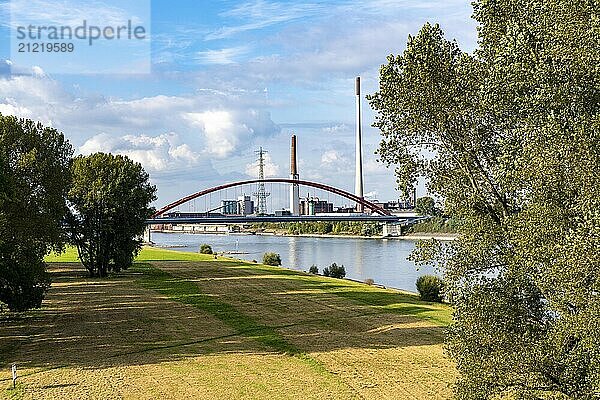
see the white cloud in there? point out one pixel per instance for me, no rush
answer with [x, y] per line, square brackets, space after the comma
[336, 160]
[183, 152]
[216, 122]
[347, 49]
[35, 97]
[7, 108]
[67, 12]
[221, 56]
[155, 153]
[333, 157]
[38, 71]
[101, 143]
[222, 132]
[372, 194]
[261, 14]
[373, 166]
[336, 128]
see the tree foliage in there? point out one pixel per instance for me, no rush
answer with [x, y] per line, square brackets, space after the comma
[430, 288]
[323, 227]
[110, 201]
[509, 137]
[426, 206]
[34, 180]
[272, 259]
[435, 225]
[205, 249]
[335, 271]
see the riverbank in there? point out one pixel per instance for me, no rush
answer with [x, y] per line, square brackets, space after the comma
[184, 325]
[383, 261]
[410, 236]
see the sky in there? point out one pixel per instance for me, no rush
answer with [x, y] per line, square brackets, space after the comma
[223, 79]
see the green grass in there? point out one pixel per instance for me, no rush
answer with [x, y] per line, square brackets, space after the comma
[400, 303]
[15, 393]
[147, 254]
[188, 292]
[385, 300]
[67, 256]
[204, 347]
[223, 328]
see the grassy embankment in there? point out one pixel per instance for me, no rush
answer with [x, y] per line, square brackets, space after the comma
[184, 325]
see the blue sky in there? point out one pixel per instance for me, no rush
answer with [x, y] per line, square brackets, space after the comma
[228, 77]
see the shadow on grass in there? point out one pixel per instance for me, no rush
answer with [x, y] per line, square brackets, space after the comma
[265, 300]
[58, 385]
[96, 323]
[383, 300]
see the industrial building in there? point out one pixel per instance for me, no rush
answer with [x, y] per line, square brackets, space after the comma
[314, 206]
[245, 205]
[229, 207]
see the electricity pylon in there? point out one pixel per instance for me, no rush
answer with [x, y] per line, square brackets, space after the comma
[261, 194]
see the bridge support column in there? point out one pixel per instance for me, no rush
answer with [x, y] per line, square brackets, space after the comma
[392, 229]
[147, 235]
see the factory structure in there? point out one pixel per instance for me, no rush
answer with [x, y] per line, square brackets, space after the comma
[309, 205]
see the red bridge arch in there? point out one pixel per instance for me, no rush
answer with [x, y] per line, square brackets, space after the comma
[340, 192]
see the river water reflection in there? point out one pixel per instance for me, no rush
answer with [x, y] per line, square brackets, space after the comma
[382, 260]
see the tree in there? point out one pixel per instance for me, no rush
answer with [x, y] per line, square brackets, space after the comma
[272, 259]
[514, 131]
[110, 201]
[425, 206]
[206, 249]
[34, 180]
[335, 271]
[430, 288]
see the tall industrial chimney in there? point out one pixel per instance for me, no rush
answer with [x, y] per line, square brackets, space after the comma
[294, 189]
[358, 182]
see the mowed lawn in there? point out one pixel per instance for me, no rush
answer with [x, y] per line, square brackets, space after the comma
[183, 325]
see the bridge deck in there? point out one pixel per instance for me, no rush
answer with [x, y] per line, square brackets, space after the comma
[287, 218]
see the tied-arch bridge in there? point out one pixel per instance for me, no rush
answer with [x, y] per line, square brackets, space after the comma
[377, 213]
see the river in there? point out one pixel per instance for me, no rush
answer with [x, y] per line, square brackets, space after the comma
[384, 261]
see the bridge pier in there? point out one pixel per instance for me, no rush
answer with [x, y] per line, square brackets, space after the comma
[147, 235]
[392, 229]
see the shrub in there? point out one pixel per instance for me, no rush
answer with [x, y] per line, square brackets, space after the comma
[335, 271]
[430, 288]
[369, 281]
[206, 249]
[271, 259]
[313, 269]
